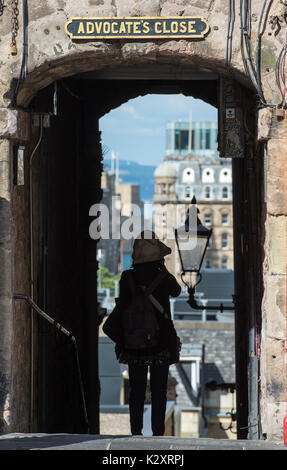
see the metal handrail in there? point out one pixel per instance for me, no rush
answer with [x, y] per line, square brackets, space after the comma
[71, 337]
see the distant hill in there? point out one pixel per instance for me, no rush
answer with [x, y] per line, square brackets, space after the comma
[135, 173]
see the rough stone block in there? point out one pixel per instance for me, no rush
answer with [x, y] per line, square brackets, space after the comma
[277, 177]
[8, 123]
[264, 124]
[138, 8]
[278, 126]
[4, 176]
[275, 307]
[175, 8]
[273, 414]
[4, 151]
[91, 8]
[277, 244]
[137, 51]
[275, 363]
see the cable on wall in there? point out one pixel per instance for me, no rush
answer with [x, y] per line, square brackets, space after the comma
[253, 69]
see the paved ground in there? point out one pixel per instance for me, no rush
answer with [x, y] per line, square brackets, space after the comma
[17, 441]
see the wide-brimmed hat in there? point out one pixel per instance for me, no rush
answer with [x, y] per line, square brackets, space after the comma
[147, 247]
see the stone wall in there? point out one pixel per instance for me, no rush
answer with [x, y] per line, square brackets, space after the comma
[273, 354]
[49, 44]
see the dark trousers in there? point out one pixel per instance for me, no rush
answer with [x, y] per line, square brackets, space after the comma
[158, 385]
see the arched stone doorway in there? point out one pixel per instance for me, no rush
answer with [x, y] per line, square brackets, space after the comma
[90, 97]
[258, 255]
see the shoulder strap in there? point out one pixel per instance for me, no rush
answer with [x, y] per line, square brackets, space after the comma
[147, 291]
[153, 300]
[157, 305]
[155, 282]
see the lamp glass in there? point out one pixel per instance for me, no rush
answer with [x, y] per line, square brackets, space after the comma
[191, 247]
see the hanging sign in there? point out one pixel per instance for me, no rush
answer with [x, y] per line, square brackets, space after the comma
[187, 27]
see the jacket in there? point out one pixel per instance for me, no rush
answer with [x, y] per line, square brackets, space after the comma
[144, 274]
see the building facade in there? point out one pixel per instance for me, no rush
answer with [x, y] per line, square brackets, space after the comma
[198, 172]
[131, 215]
[191, 138]
[124, 204]
[109, 249]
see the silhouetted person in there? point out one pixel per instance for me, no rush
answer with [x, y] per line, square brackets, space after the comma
[148, 261]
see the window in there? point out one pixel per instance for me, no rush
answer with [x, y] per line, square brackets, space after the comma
[201, 139]
[188, 175]
[207, 219]
[192, 139]
[224, 262]
[191, 369]
[181, 140]
[208, 175]
[210, 243]
[224, 219]
[224, 241]
[224, 192]
[207, 192]
[208, 264]
[225, 175]
[188, 192]
[207, 139]
[19, 165]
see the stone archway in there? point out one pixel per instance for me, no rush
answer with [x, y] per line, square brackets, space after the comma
[52, 57]
[97, 98]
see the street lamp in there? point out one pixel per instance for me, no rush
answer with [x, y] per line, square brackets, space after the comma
[192, 240]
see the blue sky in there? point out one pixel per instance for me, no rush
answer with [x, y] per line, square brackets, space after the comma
[136, 130]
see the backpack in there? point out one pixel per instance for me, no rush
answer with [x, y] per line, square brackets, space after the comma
[139, 319]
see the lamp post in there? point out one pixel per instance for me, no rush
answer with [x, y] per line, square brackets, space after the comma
[192, 240]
